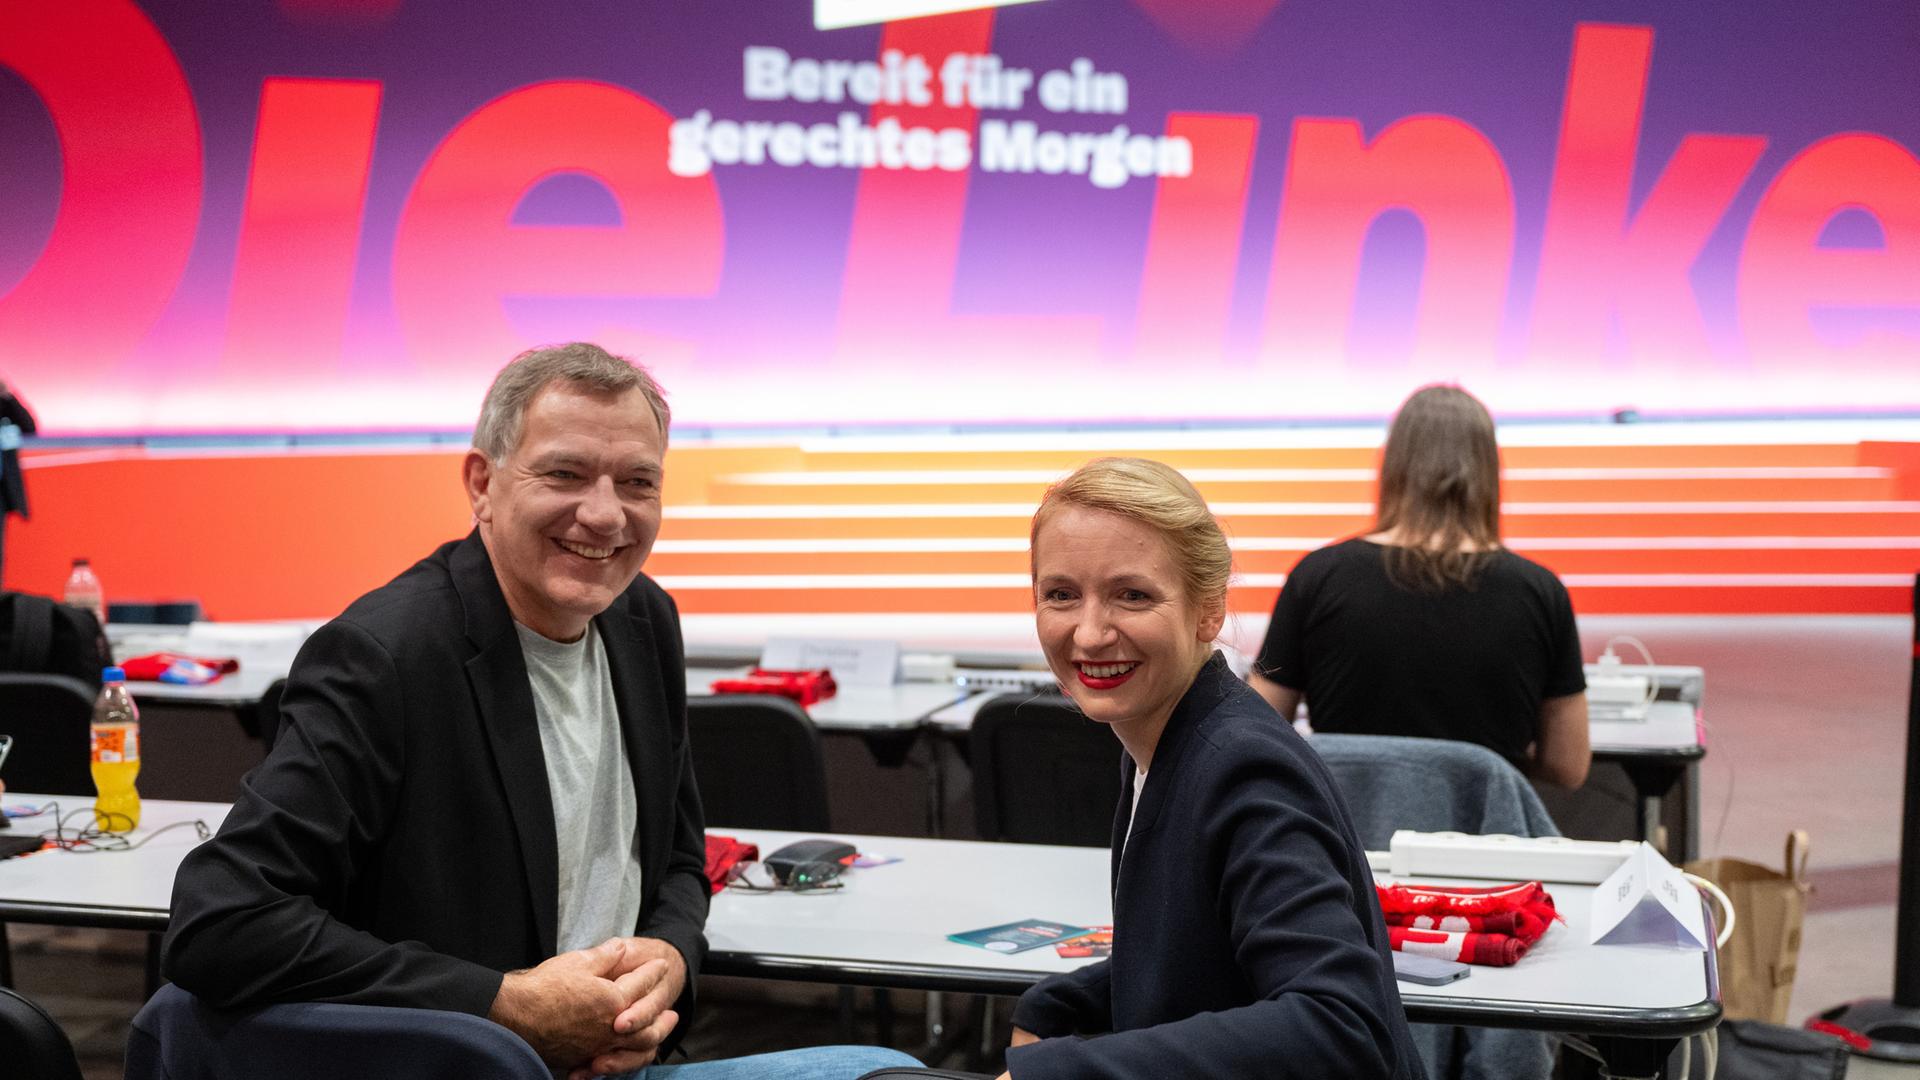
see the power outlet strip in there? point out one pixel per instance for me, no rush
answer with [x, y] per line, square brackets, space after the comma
[1618, 697]
[1506, 858]
[1618, 689]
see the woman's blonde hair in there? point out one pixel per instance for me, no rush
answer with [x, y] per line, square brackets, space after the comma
[1158, 496]
[1440, 489]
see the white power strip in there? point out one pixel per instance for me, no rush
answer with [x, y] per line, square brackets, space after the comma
[1618, 689]
[1506, 858]
[1618, 697]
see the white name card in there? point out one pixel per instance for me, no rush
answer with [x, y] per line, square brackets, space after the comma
[853, 661]
[1648, 902]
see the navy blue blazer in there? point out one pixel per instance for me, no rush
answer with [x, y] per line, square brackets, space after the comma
[397, 845]
[1247, 937]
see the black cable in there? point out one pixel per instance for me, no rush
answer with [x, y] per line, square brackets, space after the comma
[96, 838]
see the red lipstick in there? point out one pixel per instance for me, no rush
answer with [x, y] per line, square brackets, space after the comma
[1107, 683]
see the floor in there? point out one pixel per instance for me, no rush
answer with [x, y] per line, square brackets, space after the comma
[1807, 730]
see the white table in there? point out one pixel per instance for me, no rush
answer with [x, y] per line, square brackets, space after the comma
[265, 651]
[115, 890]
[887, 927]
[1669, 726]
[237, 691]
[1655, 753]
[877, 709]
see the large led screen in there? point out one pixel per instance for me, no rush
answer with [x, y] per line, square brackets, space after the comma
[346, 214]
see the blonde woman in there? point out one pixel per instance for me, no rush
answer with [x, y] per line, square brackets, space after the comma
[1247, 938]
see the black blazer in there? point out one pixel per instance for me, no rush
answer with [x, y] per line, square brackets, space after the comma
[1247, 937]
[397, 846]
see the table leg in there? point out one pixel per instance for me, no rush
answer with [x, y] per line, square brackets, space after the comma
[1651, 782]
[883, 1017]
[936, 790]
[936, 1022]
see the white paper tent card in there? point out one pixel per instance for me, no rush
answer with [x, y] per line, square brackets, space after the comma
[853, 662]
[1648, 902]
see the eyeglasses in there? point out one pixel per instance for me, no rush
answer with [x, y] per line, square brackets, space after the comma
[758, 877]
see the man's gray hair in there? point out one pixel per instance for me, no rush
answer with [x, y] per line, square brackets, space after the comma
[583, 365]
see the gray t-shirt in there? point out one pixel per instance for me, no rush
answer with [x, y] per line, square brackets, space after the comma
[594, 809]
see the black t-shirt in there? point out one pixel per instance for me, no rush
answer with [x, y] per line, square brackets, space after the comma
[1375, 658]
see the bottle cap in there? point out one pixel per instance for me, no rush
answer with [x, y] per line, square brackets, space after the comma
[80, 561]
[113, 674]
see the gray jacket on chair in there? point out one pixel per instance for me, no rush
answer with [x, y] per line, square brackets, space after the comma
[1437, 785]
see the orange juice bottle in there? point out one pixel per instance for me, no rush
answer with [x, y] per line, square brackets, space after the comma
[116, 755]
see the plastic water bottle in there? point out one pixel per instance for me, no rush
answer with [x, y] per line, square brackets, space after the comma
[83, 591]
[116, 755]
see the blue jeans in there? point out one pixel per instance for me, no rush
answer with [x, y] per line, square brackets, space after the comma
[813, 1063]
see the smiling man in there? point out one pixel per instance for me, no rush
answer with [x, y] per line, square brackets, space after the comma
[481, 797]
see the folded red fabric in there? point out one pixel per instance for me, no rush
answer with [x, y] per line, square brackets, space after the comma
[1521, 924]
[722, 853]
[805, 687]
[178, 668]
[1493, 925]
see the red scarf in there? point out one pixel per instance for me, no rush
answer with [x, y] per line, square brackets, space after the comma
[1494, 926]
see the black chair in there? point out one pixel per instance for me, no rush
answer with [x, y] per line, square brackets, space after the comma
[176, 1036]
[758, 763]
[32, 1044]
[50, 718]
[1043, 773]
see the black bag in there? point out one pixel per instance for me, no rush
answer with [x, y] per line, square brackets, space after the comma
[39, 636]
[1756, 1050]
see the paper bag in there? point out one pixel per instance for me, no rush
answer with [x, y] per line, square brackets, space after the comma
[1757, 964]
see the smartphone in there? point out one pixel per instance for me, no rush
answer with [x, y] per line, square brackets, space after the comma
[1428, 970]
